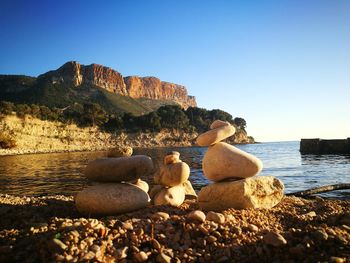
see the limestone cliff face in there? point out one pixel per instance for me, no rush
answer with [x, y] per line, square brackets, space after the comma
[74, 74]
[154, 88]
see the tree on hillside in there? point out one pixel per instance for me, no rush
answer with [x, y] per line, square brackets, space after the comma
[6, 107]
[35, 110]
[94, 114]
[198, 118]
[152, 121]
[240, 123]
[22, 110]
[172, 116]
[114, 123]
[220, 115]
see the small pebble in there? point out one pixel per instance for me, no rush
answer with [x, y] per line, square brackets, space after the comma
[211, 239]
[320, 235]
[59, 244]
[274, 239]
[346, 227]
[253, 228]
[156, 244]
[337, 260]
[160, 216]
[162, 258]
[197, 215]
[121, 253]
[127, 226]
[216, 217]
[230, 217]
[88, 256]
[311, 214]
[141, 256]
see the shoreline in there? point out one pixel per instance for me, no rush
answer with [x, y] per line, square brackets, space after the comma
[31, 135]
[49, 228]
[14, 152]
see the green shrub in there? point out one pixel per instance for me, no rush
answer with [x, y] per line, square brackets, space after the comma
[7, 141]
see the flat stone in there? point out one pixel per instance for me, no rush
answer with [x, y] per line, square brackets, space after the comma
[218, 123]
[216, 135]
[223, 161]
[253, 192]
[119, 169]
[189, 188]
[173, 196]
[172, 174]
[111, 199]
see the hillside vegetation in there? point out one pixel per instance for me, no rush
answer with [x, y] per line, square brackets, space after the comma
[91, 114]
[28, 90]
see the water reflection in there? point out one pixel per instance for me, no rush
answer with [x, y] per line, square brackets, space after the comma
[62, 173]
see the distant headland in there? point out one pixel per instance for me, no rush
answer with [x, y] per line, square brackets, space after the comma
[78, 108]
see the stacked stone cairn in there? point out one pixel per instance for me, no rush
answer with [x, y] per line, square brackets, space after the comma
[117, 186]
[233, 172]
[171, 181]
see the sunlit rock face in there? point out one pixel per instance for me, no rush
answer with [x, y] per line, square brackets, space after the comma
[74, 74]
[154, 88]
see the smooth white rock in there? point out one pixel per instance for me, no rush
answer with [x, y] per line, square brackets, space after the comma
[173, 196]
[223, 161]
[218, 124]
[111, 199]
[216, 135]
[172, 174]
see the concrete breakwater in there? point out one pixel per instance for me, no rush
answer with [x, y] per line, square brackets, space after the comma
[319, 146]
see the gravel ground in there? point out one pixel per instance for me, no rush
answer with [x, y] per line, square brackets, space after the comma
[49, 229]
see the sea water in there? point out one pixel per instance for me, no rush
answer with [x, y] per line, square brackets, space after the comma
[62, 173]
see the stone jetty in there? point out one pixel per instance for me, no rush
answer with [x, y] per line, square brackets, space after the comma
[233, 172]
[319, 146]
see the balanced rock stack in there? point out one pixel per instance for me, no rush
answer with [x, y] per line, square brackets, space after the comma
[233, 173]
[118, 188]
[172, 183]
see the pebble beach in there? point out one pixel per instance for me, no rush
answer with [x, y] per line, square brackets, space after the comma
[50, 229]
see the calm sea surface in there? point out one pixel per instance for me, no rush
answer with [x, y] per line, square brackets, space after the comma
[61, 173]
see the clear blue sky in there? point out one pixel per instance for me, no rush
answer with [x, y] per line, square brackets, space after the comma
[284, 66]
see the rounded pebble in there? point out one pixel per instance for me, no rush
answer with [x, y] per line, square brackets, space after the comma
[275, 239]
[216, 217]
[197, 215]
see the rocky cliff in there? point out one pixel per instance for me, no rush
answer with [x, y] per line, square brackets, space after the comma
[74, 74]
[154, 88]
